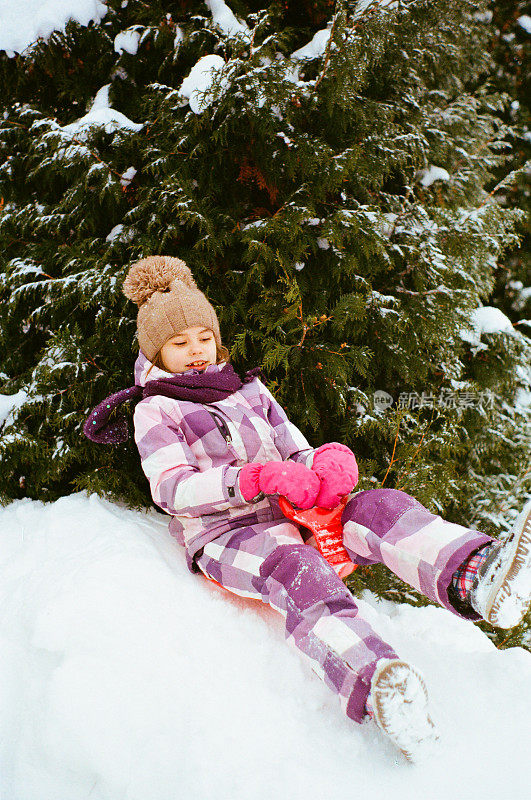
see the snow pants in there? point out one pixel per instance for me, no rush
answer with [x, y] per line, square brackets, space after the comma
[269, 561]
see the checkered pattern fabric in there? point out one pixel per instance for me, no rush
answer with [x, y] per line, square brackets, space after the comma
[387, 526]
[463, 577]
[271, 563]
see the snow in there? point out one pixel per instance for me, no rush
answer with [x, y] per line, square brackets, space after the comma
[428, 176]
[199, 80]
[486, 319]
[10, 403]
[522, 401]
[128, 40]
[285, 138]
[223, 17]
[114, 233]
[525, 22]
[179, 37]
[22, 22]
[100, 115]
[388, 223]
[128, 176]
[257, 224]
[364, 5]
[125, 676]
[483, 16]
[315, 48]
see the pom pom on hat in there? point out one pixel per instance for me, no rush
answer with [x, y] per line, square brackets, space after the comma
[155, 273]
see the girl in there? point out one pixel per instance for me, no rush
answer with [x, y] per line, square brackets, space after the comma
[218, 451]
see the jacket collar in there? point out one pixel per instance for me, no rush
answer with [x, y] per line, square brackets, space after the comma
[214, 383]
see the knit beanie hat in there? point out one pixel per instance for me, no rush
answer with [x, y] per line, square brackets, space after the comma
[169, 301]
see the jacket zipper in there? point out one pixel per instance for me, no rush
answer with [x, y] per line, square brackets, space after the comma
[224, 430]
[221, 426]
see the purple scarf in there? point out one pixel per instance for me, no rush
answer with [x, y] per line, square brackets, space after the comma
[202, 387]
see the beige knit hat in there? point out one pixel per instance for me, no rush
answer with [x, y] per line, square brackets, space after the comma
[169, 301]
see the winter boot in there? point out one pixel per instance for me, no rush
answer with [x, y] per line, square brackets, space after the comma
[501, 591]
[398, 704]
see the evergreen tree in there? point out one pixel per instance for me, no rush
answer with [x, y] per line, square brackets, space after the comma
[334, 188]
[509, 23]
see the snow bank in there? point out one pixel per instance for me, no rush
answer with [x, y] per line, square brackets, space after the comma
[124, 676]
[22, 22]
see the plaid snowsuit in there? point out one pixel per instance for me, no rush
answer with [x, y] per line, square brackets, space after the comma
[191, 454]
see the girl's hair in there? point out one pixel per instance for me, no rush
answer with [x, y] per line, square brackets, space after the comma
[222, 354]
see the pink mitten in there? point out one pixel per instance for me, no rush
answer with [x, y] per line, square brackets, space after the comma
[249, 480]
[336, 466]
[295, 481]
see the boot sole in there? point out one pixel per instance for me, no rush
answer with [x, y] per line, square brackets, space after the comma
[507, 601]
[400, 707]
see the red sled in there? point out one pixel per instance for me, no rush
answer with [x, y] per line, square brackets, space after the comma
[326, 532]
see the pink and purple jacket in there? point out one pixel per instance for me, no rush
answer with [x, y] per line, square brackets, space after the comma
[191, 454]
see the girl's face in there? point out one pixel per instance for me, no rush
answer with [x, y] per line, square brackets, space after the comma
[192, 348]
